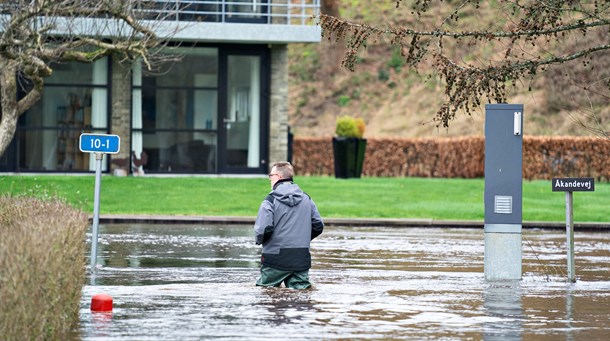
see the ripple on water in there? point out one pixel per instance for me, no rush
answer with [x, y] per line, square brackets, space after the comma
[197, 282]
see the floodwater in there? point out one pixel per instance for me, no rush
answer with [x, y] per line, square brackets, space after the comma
[185, 282]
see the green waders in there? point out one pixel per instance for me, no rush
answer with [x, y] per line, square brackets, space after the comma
[271, 277]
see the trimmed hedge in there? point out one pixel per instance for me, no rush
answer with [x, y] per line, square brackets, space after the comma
[462, 157]
[42, 268]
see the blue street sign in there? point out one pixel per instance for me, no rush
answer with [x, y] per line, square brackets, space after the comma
[99, 143]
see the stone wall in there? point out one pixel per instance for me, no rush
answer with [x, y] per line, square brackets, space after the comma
[278, 120]
[121, 116]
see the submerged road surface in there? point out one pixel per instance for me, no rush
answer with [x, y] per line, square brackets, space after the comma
[185, 282]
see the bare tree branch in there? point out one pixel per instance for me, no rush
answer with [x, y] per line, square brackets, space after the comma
[36, 34]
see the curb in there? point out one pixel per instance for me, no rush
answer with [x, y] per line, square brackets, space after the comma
[350, 222]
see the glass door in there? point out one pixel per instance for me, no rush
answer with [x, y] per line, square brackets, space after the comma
[241, 118]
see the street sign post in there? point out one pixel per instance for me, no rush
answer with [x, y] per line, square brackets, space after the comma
[570, 185]
[99, 144]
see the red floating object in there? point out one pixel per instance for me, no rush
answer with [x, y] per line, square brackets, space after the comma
[101, 302]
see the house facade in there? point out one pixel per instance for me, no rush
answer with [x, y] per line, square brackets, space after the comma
[221, 109]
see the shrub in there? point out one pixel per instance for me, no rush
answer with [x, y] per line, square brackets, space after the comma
[42, 268]
[461, 157]
[348, 126]
[343, 100]
[383, 75]
[361, 126]
[396, 60]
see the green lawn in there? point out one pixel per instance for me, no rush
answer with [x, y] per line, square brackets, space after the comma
[441, 199]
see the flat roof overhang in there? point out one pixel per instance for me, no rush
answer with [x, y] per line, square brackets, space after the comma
[245, 33]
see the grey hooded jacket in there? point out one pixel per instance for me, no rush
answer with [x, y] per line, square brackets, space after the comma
[286, 223]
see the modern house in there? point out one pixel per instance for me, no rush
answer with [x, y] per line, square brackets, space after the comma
[221, 109]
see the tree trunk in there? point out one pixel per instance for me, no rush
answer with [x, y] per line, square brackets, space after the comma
[10, 107]
[8, 89]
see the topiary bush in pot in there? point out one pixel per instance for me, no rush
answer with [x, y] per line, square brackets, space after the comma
[349, 147]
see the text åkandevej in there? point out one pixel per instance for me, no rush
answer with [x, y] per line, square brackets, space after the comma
[572, 184]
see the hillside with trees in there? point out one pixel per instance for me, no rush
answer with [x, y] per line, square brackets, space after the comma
[398, 101]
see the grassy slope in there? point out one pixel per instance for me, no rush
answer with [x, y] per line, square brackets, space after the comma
[396, 101]
[454, 199]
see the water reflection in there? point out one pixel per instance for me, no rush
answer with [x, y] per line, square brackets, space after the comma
[197, 282]
[287, 306]
[177, 251]
[502, 301]
[570, 312]
[101, 324]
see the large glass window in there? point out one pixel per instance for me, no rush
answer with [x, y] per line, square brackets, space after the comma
[175, 112]
[243, 117]
[75, 100]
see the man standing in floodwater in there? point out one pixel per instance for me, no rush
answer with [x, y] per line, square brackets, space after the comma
[287, 221]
